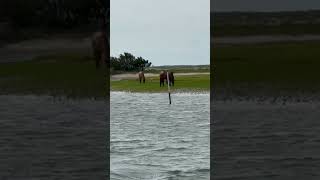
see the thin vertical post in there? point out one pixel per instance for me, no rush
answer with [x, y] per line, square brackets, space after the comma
[169, 87]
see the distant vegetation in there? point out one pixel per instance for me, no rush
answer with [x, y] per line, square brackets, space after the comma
[180, 68]
[128, 62]
[20, 19]
[51, 13]
[173, 68]
[264, 23]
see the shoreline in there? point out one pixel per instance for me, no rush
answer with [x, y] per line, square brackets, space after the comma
[131, 76]
[267, 94]
[225, 96]
[163, 92]
[54, 96]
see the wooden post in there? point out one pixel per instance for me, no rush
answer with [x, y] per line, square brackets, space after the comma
[169, 87]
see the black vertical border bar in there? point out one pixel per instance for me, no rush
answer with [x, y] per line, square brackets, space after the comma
[105, 28]
[212, 73]
[108, 86]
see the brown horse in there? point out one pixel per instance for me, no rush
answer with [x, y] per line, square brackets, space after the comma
[163, 77]
[171, 79]
[141, 77]
[99, 47]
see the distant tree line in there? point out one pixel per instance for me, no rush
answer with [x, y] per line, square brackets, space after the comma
[265, 18]
[51, 13]
[128, 62]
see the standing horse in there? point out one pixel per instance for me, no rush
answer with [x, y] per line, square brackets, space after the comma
[163, 77]
[171, 79]
[99, 47]
[141, 77]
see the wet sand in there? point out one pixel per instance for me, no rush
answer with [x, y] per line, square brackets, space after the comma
[46, 138]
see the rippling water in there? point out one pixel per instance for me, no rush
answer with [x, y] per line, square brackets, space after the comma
[151, 139]
[266, 139]
[47, 138]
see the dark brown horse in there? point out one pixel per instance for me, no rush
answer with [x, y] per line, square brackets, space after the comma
[99, 47]
[163, 77]
[141, 77]
[171, 79]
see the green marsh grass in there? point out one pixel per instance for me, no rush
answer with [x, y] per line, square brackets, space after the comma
[68, 75]
[281, 65]
[199, 82]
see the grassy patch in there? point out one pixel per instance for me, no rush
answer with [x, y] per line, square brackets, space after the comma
[284, 29]
[282, 65]
[183, 83]
[70, 75]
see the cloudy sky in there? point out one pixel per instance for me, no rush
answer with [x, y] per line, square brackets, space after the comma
[166, 32]
[264, 5]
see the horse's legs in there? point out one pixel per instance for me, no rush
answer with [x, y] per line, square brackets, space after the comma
[144, 80]
[140, 80]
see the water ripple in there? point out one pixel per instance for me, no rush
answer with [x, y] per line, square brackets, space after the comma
[151, 139]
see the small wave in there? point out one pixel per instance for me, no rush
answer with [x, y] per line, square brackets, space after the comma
[176, 92]
[127, 141]
[191, 93]
[272, 99]
[120, 176]
[150, 165]
[192, 173]
[170, 149]
[198, 170]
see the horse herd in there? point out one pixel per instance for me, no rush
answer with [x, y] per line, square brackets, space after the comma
[100, 46]
[163, 78]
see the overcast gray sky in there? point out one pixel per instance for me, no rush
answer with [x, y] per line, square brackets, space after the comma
[165, 32]
[264, 5]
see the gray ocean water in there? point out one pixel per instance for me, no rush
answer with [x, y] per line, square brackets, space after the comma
[151, 139]
[44, 138]
[266, 139]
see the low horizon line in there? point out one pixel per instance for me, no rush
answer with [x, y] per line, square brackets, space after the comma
[261, 11]
[182, 65]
